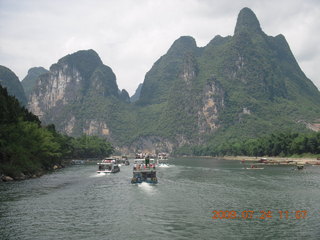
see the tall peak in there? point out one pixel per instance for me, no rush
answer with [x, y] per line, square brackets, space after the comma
[88, 55]
[86, 61]
[183, 44]
[247, 22]
[36, 70]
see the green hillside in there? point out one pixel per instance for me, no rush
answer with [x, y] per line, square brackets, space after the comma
[238, 86]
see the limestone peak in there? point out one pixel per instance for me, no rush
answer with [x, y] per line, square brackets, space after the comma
[247, 22]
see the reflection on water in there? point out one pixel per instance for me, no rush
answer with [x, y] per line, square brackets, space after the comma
[77, 203]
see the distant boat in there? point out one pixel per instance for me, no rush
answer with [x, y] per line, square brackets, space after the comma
[123, 161]
[162, 160]
[77, 162]
[108, 165]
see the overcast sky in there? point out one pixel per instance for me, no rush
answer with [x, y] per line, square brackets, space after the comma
[130, 35]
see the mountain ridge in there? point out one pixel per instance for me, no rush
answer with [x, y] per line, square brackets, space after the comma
[238, 86]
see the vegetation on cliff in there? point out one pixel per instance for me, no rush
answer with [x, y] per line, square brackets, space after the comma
[236, 87]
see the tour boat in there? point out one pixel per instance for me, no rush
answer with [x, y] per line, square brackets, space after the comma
[162, 163]
[162, 160]
[123, 161]
[144, 170]
[108, 165]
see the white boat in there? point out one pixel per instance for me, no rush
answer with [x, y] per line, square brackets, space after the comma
[162, 163]
[108, 165]
[144, 170]
[162, 160]
[123, 161]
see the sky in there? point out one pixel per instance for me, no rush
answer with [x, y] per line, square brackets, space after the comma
[130, 35]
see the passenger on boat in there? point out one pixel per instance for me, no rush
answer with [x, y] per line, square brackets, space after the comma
[147, 160]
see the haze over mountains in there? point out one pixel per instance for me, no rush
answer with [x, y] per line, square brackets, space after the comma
[238, 86]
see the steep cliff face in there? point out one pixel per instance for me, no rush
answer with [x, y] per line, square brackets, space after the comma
[11, 82]
[212, 106]
[62, 95]
[61, 86]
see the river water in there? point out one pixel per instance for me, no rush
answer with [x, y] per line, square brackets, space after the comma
[76, 203]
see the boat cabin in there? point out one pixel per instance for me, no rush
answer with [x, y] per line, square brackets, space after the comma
[108, 166]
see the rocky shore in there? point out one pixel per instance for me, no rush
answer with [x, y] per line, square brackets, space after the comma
[22, 176]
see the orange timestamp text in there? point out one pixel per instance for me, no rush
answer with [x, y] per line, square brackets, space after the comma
[262, 214]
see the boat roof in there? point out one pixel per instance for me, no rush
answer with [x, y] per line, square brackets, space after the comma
[106, 163]
[142, 160]
[144, 170]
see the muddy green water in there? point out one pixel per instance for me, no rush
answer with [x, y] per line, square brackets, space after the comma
[76, 203]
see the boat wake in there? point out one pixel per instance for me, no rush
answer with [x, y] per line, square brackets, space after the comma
[99, 175]
[147, 187]
[164, 166]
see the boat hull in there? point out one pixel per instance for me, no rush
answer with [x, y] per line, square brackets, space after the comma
[108, 171]
[139, 180]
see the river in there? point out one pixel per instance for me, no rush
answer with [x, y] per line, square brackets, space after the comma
[77, 203]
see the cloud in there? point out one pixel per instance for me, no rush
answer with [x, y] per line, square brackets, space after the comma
[131, 35]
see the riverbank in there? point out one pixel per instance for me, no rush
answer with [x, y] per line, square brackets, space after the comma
[279, 160]
[18, 176]
[24, 175]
